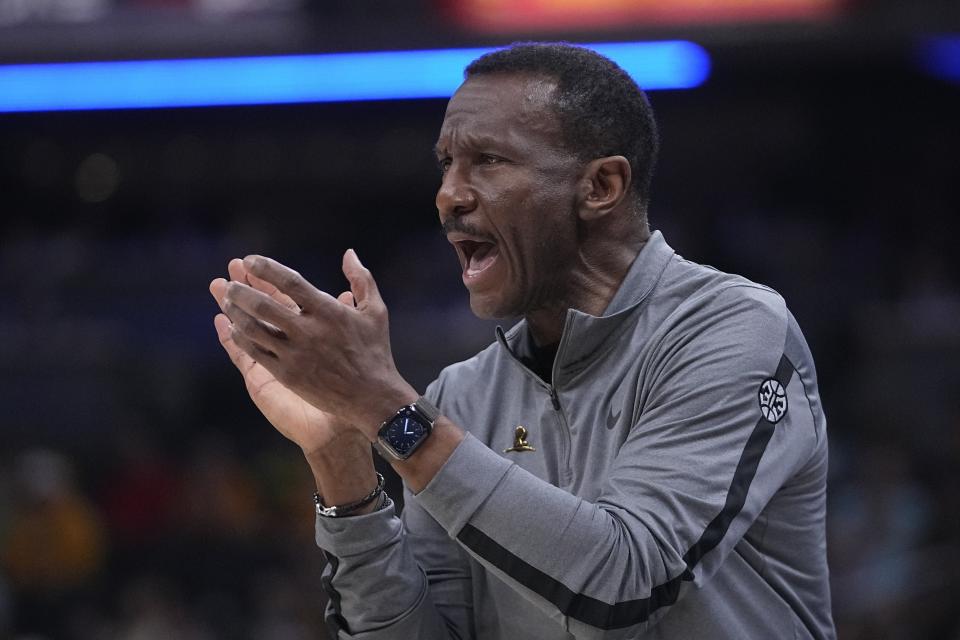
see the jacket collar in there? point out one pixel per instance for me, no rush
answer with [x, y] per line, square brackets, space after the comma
[584, 335]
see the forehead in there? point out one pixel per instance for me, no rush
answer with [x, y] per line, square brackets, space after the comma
[504, 106]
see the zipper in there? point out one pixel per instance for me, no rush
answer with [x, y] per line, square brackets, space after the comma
[554, 399]
[566, 474]
[566, 439]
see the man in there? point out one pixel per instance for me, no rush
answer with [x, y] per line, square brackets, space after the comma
[643, 455]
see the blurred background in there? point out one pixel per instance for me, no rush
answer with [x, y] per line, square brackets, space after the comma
[141, 494]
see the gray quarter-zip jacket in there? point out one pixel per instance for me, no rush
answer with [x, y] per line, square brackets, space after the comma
[676, 488]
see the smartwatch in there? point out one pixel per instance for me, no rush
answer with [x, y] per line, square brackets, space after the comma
[409, 428]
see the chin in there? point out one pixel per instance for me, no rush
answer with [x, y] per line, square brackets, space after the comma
[482, 310]
[490, 308]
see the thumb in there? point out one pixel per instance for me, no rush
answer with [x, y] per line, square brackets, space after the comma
[362, 284]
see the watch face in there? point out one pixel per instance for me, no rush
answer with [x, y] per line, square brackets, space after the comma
[404, 432]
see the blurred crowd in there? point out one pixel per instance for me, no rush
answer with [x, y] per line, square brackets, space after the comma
[208, 544]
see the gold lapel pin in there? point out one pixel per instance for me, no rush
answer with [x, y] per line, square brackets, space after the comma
[520, 441]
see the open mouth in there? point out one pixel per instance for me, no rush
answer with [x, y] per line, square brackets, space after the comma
[477, 256]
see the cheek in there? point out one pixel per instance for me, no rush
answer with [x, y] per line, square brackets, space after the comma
[548, 220]
[536, 224]
[540, 241]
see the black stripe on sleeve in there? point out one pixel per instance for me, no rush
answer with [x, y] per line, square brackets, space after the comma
[742, 478]
[581, 607]
[334, 619]
[602, 615]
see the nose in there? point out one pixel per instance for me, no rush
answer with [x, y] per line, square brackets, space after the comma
[455, 197]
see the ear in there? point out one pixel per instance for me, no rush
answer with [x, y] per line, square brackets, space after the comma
[604, 186]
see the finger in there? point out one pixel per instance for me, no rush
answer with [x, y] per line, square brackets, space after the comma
[264, 335]
[237, 271]
[256, 352]
[218, 289]
[288, 282]
[240, 358]
[264, 286]
[362, 284]
[346, 298]
[261, 306]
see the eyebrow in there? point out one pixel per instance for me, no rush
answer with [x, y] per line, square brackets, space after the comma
[474, 141]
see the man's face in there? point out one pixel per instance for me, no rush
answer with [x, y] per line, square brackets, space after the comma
[509, 194]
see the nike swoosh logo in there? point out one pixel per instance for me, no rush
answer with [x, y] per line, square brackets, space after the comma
[613, 418]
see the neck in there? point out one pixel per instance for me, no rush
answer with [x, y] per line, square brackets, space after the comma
[589, 287]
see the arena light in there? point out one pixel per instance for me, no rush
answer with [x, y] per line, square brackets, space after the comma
[551, 16]
[333, 77]
[940, 57]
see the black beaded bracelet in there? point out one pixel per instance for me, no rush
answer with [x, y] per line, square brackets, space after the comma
[346, 509]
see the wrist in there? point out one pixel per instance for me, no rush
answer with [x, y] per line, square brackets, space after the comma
[410, 427]
[343, 468]
[385, 409]
[366, 504]
[349, 453]
[346, 441]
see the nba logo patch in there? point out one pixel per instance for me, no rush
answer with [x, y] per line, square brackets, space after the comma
[773, 400]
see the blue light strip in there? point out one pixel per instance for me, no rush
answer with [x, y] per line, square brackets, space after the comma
[940, 57]
[333, 77]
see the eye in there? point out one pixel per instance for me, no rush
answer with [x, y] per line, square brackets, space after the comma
[486, 158]
[443, 164]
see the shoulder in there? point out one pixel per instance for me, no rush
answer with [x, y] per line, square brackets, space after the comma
[757, 305]
[686, 287]
[708, 320]
[705, 280]
[704, 299]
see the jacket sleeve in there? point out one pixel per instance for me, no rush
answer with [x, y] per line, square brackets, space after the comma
[696, 469]
[391, 577]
